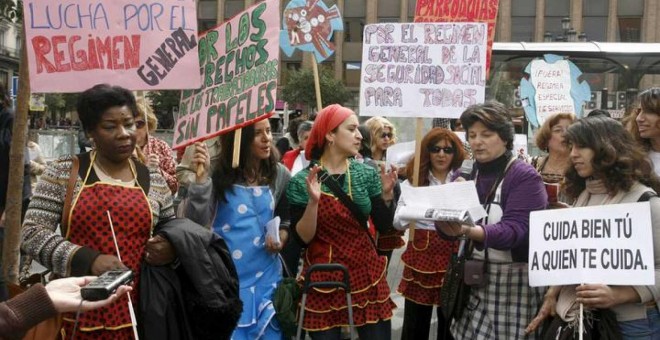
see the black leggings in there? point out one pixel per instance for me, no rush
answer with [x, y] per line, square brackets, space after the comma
[382, 330]
[417, 322]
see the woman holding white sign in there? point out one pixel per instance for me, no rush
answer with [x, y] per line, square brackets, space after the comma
[427, 256]
[502, 303]
[609, 168]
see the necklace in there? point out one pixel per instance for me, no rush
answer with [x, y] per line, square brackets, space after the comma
[107, 173]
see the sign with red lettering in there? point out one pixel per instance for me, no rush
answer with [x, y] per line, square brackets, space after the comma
[239, 63]
[460, 11]
[75, 44]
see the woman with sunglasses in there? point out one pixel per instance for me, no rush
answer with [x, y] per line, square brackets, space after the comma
[510, 190]
[382, 135]
[645, 127]
[550, 138]
[334, 233]
[427, 255]
[152, 151]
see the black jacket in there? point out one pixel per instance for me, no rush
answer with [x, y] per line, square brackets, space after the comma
[199, 299]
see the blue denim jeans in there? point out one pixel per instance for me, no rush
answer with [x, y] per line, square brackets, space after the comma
[642, 329]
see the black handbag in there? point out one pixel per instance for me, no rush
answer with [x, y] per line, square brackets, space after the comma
[600, 324]
[454, 293]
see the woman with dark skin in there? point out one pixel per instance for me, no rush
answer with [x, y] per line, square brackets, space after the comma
[116, 203]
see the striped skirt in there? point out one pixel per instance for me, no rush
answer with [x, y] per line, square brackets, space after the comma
[503, 308]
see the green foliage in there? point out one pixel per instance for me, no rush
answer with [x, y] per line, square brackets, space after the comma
[55, 102]
[300, 88]
[164, 102]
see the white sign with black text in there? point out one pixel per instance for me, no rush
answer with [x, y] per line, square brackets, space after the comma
[609, 244]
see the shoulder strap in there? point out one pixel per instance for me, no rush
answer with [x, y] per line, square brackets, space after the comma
[71, 185]
[343, 197]
[646, 196]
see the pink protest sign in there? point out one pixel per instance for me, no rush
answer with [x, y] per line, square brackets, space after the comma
[239, 63]
[75, 44]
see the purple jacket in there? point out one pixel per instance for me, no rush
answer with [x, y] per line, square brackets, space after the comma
[522, 192]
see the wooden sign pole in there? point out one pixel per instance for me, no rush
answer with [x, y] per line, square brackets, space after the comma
[317, 84]
[419, 126]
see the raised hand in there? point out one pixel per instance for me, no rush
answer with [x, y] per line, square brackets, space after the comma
[201, 162]
[314, 184]
[388, 180]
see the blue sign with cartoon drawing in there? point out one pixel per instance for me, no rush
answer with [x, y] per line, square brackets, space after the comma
[308, 26]
[552, 86]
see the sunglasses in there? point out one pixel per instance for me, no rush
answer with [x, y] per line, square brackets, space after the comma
[436, 149]
[387, 135]
[140, 124]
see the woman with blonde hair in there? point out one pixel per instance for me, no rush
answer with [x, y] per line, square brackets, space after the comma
[382, 135]
[153, 151]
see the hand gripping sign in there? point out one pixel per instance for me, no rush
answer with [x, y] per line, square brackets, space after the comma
[309, 26]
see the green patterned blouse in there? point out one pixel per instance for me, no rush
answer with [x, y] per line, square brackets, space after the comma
[364, 181]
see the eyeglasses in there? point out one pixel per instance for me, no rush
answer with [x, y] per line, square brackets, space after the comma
[140, 124]
[448, 150]
[387, 135]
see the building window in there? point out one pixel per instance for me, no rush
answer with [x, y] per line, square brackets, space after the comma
[630, 29]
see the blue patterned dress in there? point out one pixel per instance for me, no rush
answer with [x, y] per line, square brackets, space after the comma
[241, 222]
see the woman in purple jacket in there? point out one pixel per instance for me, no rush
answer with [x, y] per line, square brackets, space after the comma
[509, 189]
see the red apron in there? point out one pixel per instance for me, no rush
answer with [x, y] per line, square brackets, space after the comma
[340, 239]
[89, 226]
[425, 262]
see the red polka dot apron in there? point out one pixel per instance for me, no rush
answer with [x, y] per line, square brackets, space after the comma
[89, 226]
[340, 239]
[425, 262]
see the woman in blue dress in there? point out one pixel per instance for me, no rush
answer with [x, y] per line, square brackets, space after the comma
[244, 200]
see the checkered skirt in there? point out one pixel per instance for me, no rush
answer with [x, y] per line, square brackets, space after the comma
[503, 308]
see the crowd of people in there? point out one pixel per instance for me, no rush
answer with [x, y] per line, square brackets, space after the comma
[325, 193]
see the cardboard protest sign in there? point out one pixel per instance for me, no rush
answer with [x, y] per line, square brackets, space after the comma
[139, 45]
[609, 244]
[309, 26]
[460, 11]
[422, 69]
[552, 85]
[239, 67]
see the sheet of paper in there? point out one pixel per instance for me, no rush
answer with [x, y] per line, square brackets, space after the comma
[400, 153]
[273, 229]
[452, 196]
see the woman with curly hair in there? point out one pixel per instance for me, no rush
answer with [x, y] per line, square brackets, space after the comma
[427, 256]
[550, 138]
[608, 168]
